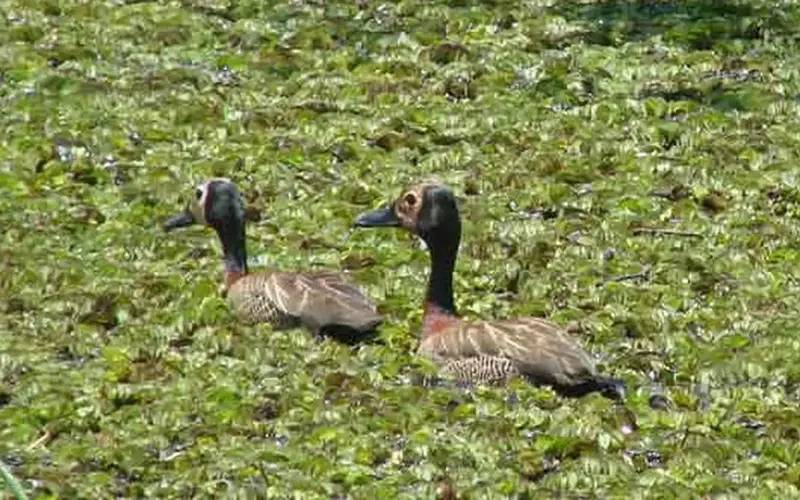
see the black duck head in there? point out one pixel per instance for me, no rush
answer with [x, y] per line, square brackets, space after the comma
[428, 210]
[218, 204]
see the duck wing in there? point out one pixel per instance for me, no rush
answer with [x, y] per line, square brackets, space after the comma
[534, 348]
[318, 300]
[331, 300]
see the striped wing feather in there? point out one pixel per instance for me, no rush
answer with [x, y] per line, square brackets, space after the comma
[531, 347]
[317, 300]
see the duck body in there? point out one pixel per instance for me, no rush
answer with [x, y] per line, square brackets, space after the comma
[490, 352]
[325, 302]
[494, 352]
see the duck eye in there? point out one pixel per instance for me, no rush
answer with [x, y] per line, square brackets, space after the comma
[410, 199]
[198, 194]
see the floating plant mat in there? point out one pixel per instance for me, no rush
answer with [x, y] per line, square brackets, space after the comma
[626, 169]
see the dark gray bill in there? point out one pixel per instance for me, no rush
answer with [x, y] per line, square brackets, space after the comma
[183, 219]
[383, 217]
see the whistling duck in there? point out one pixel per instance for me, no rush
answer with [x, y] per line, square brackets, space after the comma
[482, 351]
[322, 301]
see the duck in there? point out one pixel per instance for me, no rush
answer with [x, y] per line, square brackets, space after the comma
[482, 352]
[324, 302]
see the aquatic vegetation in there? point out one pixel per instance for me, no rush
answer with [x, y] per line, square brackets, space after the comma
[626, 169]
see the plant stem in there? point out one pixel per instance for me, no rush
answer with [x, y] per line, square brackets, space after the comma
[12, 483]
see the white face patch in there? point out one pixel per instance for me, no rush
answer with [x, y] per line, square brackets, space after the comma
[201, 194]
[198, 208]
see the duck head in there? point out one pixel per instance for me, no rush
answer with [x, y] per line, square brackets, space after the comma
[217, 204]
[428, 210]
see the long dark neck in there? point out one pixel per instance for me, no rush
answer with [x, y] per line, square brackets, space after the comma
[443, 253]
[232, 237]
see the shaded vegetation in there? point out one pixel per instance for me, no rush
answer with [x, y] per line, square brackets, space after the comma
[565, 128]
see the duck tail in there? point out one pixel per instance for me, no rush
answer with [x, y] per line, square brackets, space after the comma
[612, 388]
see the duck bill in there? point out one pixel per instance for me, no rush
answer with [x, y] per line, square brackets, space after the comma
[384, 217]
[182, 219]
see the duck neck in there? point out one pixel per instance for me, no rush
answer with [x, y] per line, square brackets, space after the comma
[232, 237]
[439, 296]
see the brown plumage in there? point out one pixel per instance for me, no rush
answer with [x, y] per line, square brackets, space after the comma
[323, 301]
[483, 351]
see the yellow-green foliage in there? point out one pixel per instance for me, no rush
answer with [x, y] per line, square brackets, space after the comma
[564, 127]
